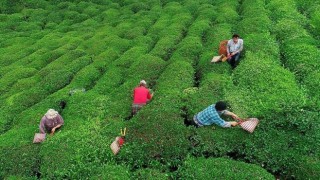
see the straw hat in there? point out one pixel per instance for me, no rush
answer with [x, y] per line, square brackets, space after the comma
[51, 114]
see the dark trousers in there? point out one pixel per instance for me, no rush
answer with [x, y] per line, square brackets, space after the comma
[234, 60]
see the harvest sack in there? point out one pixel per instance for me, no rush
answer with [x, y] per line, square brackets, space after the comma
[115, 146]
[222, 58]
[249, 124]
[223, 47]
[216, 59]
[39, 137]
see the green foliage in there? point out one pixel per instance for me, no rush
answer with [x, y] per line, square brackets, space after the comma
[199, 28]
[147, 67]
[288, 29]
[206, 11]
[165, 47]
[205, 66]
[190, 47]
[227, 12]
[315, 22]
[213, 87]
[312, 85]
[51, 48]
[262, 42]
[81, 151]
[11, 77]
[21, 160]
[217, 168]
[266, 78]
[301, 58]
[280, 10]
[109, 171]
[281, 147]
[260, 24]
[149, 174]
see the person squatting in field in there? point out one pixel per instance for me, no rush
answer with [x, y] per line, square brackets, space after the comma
[234, 48]
[211, 115]
[50, 122]
[141, 96]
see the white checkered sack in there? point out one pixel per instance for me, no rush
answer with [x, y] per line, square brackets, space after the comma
[249, 124]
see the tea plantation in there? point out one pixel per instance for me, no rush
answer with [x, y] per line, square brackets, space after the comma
[50, 51]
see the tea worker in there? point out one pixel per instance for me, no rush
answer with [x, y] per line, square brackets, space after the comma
[234, 48]
[50, 122]
[141, 96]
[211, 115]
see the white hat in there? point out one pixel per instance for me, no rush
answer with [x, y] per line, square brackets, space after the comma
[51, 113]
[143, 82]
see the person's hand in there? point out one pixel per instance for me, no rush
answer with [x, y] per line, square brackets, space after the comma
[52, 131]
[233, 123]
[235, 117]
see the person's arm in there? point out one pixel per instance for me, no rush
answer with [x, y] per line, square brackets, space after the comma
[224, 123]
[60, 123]
[41, 126]
[233, 115]
[228, 48]
[149, 96]
[241, 46]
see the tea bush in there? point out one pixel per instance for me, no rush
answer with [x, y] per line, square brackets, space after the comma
[199, 28]
[201, 168]
[165, 47]
[285, 10]
[213, 87]
[149, 174]
[301, 58]
[109, 171]
[266, 78]
[49, 50]
[109, 81]
[11, 77]
[19, 160]
[287, 29]
[312, 89]
[190, 48]
[165, 109]
[293, 136]
[263, 42]
[315, 21]
[228, 8]
[206, 11]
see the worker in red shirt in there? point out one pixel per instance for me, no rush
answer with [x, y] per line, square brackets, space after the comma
[141, 96]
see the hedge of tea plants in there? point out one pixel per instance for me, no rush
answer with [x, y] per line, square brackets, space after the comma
[84, 59]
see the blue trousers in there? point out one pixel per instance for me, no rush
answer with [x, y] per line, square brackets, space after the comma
[234, 60]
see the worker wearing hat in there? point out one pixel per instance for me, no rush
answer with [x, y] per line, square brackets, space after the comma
[50, 122]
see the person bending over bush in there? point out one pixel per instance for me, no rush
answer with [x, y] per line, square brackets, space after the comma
[141, 96]
[50, 122]
[211, 115]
